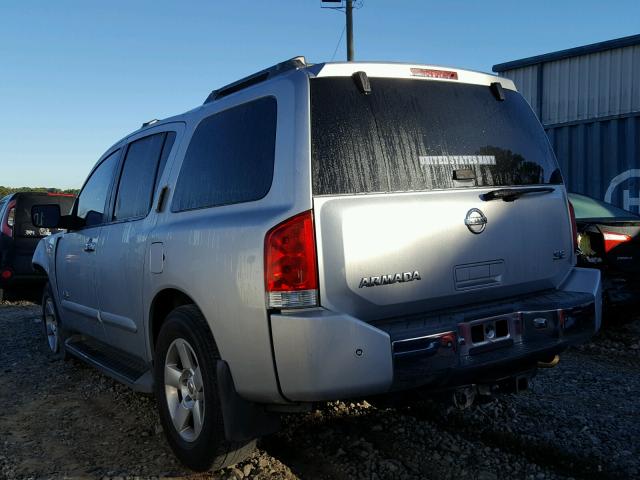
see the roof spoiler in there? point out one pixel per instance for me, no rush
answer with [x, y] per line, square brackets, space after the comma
[291, 64]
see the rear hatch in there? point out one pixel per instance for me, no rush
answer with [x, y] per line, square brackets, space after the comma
[25, 235]
[397, 175]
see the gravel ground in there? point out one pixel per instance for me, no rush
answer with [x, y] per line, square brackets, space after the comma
[578, 420]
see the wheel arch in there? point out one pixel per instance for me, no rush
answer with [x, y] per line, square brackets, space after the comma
[42, 257]
[163, 303]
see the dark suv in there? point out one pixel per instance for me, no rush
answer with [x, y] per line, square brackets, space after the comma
[19, 237]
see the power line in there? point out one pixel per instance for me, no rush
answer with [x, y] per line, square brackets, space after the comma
[338, 45]
[347, 6]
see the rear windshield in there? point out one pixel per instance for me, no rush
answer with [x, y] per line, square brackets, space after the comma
[587, 207]
[23, 226]
[411, 135]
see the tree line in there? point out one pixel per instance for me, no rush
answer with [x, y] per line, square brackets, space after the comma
[7, 190]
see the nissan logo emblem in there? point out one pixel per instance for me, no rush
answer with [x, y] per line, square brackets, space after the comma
[475, 221]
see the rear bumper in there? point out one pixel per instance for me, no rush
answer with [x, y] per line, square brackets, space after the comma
[22, 272]
[620, 290]
[20, 280]
[322, 355]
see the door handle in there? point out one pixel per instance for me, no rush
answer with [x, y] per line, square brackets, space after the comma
[90, 246]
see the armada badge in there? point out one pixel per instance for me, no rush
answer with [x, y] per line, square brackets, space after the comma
[389, 279]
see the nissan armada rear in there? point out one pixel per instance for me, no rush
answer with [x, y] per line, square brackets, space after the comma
[319, 232]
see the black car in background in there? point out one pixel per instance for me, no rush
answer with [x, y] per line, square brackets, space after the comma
[609, 239]
[18, 237]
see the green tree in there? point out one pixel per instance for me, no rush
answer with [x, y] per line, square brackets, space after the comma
[7, 190]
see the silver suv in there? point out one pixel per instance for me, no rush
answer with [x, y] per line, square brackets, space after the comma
[318, 232]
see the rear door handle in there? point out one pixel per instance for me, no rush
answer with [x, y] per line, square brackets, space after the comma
[90, 246]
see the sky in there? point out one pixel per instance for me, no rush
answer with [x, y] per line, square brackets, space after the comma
[78, 75]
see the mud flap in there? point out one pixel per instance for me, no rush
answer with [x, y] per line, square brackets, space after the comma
[243, 420]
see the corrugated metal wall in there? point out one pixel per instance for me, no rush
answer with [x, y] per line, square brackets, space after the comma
[590, 86]
[600, 84]
[590, 107]
[601, 159]
[526, 80]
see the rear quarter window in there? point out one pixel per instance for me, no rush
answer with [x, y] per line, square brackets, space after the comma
[230, 157]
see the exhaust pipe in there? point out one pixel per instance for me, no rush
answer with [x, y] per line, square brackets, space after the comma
[554, 361]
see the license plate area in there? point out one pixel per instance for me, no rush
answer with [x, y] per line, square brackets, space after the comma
[486, 334]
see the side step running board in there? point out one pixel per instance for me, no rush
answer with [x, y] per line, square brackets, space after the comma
[120, 366]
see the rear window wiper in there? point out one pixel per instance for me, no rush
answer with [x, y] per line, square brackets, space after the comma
[510, 194]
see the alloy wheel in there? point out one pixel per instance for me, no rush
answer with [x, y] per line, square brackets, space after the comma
[184, 389]
[51, 324]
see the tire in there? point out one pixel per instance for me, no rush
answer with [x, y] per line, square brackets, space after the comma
[186, 390]
[54, 332]
[7, 295]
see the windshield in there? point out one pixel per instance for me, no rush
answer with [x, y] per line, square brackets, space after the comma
[410, 135]
[587, 207]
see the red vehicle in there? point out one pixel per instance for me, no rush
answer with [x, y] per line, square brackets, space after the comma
[609, 240]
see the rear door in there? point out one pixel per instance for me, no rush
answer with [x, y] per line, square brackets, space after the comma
[122, 254]
[76, 252]
[398, 181]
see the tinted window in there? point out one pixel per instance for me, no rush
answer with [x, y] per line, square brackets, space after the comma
[413, 134]
[92, 199]
[230, 157]
[138, 177]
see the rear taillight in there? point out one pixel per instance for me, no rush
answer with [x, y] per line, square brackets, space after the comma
[291, 272]
[6, 274]
[9, 219]
[612, 240]
[574, 226]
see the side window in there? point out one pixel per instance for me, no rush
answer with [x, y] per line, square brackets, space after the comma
[138, 177]
[93, 198]
[230, 157]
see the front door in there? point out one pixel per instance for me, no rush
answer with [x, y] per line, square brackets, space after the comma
[77, 250]
[76, 272]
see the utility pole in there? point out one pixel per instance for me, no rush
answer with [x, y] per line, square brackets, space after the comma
[348, 10]
[349, 15]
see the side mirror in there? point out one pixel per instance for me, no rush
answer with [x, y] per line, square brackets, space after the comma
[46, 216]
[93, 218]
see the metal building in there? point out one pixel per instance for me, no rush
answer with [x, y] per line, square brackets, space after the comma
[588, 100]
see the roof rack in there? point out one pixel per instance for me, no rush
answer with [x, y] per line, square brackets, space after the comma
[150, 122]
[261, 76]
